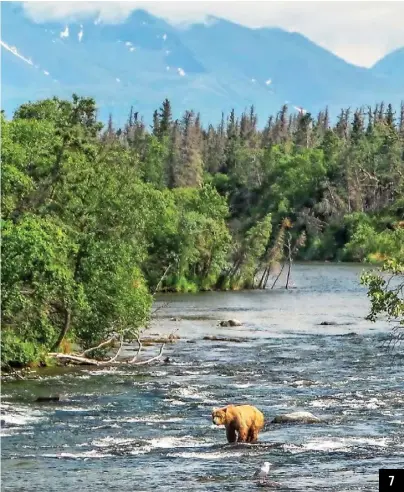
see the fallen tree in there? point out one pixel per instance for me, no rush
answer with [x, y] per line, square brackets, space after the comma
[81, 358]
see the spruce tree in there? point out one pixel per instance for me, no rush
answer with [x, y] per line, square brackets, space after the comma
[165, 119]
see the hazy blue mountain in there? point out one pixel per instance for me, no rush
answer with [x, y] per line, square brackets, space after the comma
[391, 69]
[210, 67]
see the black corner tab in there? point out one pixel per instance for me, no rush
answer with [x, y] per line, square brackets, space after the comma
[391, 480]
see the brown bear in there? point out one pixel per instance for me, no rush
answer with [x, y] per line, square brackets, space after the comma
[246, 420]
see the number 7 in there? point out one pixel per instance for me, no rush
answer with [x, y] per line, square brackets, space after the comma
[392, 479]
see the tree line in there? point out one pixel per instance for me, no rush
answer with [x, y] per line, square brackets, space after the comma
[95, 219]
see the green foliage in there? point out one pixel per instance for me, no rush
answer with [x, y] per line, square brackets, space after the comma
[202, 238]
[367, 243]
[248, 254]
[37, 278]
[75, 235]
[293, 181]
[95, 221]
[386, 294]
[17, 352]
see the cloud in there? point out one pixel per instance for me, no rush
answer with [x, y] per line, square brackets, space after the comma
[65, 33]
[358, 31]
[15, 52]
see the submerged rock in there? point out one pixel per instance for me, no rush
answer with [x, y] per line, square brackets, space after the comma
[335, 323]
[224, 339]
[45, 399]
[269, 484]
[230, 322]
[302, 382]
[296, 417]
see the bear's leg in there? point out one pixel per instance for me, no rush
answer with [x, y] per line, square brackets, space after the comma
[242, 435]
[252, 435]
[231, 434]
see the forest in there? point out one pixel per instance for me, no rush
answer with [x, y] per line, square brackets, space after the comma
[97, 219]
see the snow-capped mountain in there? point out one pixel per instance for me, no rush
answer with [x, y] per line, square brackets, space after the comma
[210, 68]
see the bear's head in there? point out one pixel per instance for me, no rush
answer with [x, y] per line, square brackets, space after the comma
[219, 416]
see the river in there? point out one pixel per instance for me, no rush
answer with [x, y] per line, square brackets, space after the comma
[149, 428]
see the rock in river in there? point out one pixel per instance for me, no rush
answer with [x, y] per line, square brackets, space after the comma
[47, 399]
[296, 417]
[230, 322]
[224, 339]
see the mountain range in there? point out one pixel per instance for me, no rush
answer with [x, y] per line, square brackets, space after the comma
[209, 67]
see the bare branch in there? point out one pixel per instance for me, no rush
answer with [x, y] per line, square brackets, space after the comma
[170, 337]
[86, 361]
[102, 344]
[161, 280]
[144, 362]
[16, 373]
[132, 361]
[75, 358]
[160, 307]
[113, 359]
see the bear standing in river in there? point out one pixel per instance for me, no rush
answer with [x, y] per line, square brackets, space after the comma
[245, 420]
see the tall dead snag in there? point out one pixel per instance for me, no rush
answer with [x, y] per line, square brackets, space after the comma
[283, 251]
[290, 259]
[300, 241]
[275, 255]
[277, 277]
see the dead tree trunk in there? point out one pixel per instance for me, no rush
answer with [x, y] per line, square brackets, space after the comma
[279, 274]
[268, 271]
[288, 276]
[261, 284]
[289, 246]
[66, 327]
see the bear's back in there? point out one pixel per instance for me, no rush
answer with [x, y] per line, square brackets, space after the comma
[246, 413]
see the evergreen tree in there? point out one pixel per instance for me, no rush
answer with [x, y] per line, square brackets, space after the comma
[357, 126]
[303, 131]
[390, 116]
[165, 119]
[156, 124]
[401, 123]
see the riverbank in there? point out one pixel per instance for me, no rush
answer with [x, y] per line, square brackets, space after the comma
[331, 290]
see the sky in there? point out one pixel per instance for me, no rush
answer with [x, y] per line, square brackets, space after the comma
[360, 32]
